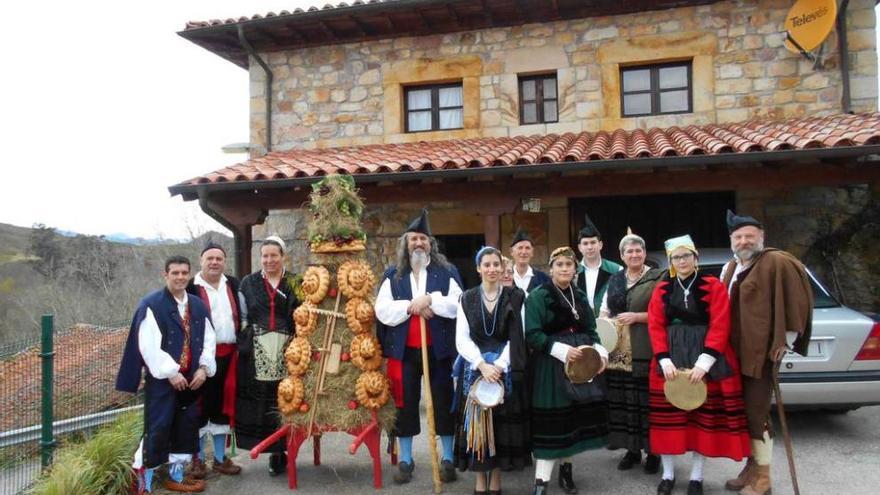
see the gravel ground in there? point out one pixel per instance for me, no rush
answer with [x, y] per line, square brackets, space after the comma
[835, 453]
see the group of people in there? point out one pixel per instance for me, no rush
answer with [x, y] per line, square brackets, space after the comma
[213, 350]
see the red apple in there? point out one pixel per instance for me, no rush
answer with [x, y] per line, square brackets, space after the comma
[345, 357]
[352, 404]
[332, 292]
[304, 408]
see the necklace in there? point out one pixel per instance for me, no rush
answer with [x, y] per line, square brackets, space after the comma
[486, 298]
[638, 276]
[486, 330]
[687, 290]
[570, 304]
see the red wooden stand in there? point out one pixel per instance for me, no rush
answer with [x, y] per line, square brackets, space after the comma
[368, 434]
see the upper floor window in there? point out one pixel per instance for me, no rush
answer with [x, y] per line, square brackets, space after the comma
[434, 107]
[656, 89]
[538, 99]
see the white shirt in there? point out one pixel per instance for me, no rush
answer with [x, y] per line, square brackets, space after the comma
[469, 350]
[221, 309]
[524, 281]
[591, 276]
[394, 312]
[159, 363]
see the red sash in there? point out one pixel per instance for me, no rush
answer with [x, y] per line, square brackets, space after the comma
[223, 350]
[395, 367]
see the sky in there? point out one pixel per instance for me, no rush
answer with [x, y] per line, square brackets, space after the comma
[103, 106]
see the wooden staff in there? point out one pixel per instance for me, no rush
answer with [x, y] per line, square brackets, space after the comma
[789, 451]
[325, 351]
[429, 398]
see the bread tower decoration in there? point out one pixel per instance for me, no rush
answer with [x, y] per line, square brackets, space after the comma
[334, 363]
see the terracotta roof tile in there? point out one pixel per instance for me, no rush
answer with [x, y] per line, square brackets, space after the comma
[710, 139]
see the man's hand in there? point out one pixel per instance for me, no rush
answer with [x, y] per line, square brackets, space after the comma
[427, 313]
[178, 382]
[777, 355]
[697, 375]
[490, 372]
[418, 304]
[198, 378]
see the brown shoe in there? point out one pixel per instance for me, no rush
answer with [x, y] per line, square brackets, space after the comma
[226, 467]
[740, 482]
[197, 469]
[188, 485]
[760, 482]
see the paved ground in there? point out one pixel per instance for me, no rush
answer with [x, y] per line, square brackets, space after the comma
[835, 453]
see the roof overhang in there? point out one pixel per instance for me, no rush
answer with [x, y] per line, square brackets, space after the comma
[373, 20]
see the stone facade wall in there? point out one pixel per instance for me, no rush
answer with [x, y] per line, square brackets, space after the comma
[352, 93]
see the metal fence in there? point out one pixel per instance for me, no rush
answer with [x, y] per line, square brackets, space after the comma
[80, 363]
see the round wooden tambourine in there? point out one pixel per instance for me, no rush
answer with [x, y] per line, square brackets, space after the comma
[487, 394]
[607, 330]
[683, 394]
[584, 369]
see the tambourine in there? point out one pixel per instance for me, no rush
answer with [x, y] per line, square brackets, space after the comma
[586, 367]
[487, 394]
[607, 330]
[683, 394]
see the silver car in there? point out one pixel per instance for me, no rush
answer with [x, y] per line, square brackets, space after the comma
[841, 371]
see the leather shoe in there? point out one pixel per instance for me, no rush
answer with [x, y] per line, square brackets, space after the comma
[629, 460]
[187, 485]
[665, 487]
[404, 472]
[226, 467]
[652, 464]
[197, 469]
[540, 487]
[566, 480]
[695, 487]
[447, 472]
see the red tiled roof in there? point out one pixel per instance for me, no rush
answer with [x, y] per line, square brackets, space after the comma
[712, 139]
[218, 22]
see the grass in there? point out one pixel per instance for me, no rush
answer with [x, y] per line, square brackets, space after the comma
[101, 464]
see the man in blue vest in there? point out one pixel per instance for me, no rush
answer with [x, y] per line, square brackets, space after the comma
[422, 284]
[171, 334]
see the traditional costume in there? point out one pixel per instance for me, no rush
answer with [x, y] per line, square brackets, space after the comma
[168, 336]
[594, 280]
[495, 337]
[267, 326]
[219, 390]
[561, 427]
[689, 325]
[629, 365]
[399, 334]
[771, 306]
[532, 279]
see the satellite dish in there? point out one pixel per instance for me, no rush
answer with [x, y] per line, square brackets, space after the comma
[808, 24]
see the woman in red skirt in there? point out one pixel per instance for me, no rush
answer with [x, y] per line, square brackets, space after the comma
[689, 327]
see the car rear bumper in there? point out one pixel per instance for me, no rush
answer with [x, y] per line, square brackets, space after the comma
[829, 389]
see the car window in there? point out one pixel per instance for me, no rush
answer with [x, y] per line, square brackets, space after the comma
[822, 298]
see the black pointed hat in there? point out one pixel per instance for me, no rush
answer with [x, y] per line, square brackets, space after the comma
[589, 229]
[735, 221]
[521, 235]
[420, 224]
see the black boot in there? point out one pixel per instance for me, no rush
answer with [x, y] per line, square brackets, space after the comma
[652, 464]
[404, 472]
[695, 487]
[277, 463]
[665, 487]
[565, 480]
[629, 460]
[540, 487]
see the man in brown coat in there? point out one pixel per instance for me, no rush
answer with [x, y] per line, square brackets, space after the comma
[771, 310]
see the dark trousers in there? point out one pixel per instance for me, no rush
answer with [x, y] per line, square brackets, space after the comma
[171, 422]
[408, 424]
[212, 395]
[757, 393]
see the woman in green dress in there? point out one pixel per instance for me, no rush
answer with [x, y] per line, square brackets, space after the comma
[558, 320]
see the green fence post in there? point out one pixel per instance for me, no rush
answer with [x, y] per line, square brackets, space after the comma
[47, 442]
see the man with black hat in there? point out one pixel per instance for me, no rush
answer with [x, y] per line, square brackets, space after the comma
[593, 271]
[770, 314]
[522, 250]
[421, 285]
[219, 293]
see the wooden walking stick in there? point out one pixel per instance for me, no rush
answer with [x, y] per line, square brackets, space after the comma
[789, 452]
[429, 399]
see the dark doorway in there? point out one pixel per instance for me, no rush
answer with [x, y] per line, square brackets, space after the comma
[655, 217]
[460, 251]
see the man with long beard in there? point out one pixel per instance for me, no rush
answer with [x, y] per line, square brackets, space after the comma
[771, 311]
[422, 284]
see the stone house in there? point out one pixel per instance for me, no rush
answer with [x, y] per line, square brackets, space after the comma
[658, 114]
